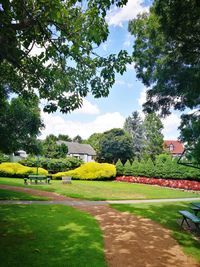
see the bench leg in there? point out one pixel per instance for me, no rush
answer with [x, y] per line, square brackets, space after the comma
[25, 181]
[185, 219]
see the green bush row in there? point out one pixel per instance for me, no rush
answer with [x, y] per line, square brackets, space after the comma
[90, 171]
[53, 165]
[164, 167]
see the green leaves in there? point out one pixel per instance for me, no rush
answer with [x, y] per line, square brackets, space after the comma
[50, 49]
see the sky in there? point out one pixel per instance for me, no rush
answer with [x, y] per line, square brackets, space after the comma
[127, 95]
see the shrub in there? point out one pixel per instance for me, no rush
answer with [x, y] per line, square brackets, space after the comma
[119, 167]
[90, 171]
[128, 168]
[53, 165]
[3, 158]
[149, 168]
[9, 169]
[135, 167]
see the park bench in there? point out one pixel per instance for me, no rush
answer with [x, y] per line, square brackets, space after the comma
[188, 216]
[37, 178]
[66, 179]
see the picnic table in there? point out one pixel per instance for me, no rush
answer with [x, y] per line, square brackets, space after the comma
[37, 178]
[196, 207]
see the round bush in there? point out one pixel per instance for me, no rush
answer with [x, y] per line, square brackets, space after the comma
[90, 171]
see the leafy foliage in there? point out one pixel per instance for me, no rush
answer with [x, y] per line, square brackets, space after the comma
[53, 165]
[20, 123]
[90, 171]
[167, 60]
[153, 136]
[115, 144]
[48, 48]
[50, 149]
[119, 167]
[128, 168]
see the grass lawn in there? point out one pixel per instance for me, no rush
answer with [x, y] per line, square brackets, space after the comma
[100, 190]
[50, 236]
[167, 215]
[95, 190]
[12, 195]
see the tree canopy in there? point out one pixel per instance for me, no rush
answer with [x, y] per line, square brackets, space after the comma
[20, 123]
[49, 48]
[115, 144]
[167, 59]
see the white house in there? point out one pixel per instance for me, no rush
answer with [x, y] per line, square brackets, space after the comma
[81, 151]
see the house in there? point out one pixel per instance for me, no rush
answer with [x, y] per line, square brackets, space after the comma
[175, 147]
[81, 151]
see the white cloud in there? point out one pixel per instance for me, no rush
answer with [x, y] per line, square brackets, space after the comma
[56, 124]
[119, 15]
[131, 66]
[171, 124]
[87, 108]
[123, 83]
[128, 40]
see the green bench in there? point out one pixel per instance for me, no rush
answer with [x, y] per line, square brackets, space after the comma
[188, 216]
[37, 178]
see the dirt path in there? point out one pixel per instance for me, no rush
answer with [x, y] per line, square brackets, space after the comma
[129, 241]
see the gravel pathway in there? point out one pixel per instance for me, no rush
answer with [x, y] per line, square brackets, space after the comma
[129, 241]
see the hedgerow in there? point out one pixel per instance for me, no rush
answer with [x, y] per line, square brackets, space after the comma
[90, 171]
[164, 167]
[10, 169]
[53, 165]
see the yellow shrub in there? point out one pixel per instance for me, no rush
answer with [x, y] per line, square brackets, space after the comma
[11, 169]
[90, 171]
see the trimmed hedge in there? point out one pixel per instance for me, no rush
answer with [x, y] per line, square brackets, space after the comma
[164, 167]
[90, 171]
[9, 169]
[53, 165]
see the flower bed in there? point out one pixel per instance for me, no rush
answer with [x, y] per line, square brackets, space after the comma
[181, 184]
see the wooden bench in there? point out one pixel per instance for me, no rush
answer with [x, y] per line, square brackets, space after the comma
[37, 178]
[66, 179]
[188, 216]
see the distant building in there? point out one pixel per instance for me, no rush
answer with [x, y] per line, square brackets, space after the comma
[81, 151]
[175, 147]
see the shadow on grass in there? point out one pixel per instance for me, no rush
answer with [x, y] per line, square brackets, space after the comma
[167, 215]
[49, 236]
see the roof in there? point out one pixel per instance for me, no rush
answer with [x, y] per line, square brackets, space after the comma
[76, 148]
[178, 147]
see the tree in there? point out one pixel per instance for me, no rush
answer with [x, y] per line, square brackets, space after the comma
[52, 150]
[94, 141]
[167, 57]
[78, 139]
[20, 124]
[47, 48]
[64, 137]
[153, 136]
[134, 126]
[115, 144]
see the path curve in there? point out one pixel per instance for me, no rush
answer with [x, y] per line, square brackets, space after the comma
[129, 241]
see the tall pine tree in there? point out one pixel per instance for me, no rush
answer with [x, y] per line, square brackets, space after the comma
[134, 126]
[153, 136]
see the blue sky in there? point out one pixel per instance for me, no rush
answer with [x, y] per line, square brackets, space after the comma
[126, 96]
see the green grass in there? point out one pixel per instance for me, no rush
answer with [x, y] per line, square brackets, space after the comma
[50, 236]
[95, 190]
[12, 195]
[167, 215]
